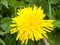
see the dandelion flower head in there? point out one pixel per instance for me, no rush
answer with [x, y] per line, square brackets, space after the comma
[30, 24]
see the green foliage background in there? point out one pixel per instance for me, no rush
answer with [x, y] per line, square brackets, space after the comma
[8, 10]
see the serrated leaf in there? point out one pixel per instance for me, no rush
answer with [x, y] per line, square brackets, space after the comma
[6, 27]
[16, 3]
[6, 20]
[4, 2]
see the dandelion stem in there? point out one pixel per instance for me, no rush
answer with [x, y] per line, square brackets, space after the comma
[46, 42]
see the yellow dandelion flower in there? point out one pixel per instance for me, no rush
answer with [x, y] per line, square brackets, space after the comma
[30, 24]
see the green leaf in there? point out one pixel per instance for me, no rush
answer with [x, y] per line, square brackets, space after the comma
[54, 1]
[51, 38]
[40, 42]
[10, 38]
[5, 24]
[4, 2]
[0, 7]
[6, 20]
[30, 2]
[57, 23]
[54, 37]
[57, 37]
[58, 13]
[6, 27]
[2, 33]
[1, 41]
[30, 42]
[16, 3]
[43, 4]
[0, 17]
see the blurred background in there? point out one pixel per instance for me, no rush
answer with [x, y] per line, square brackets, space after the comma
[8, 9]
